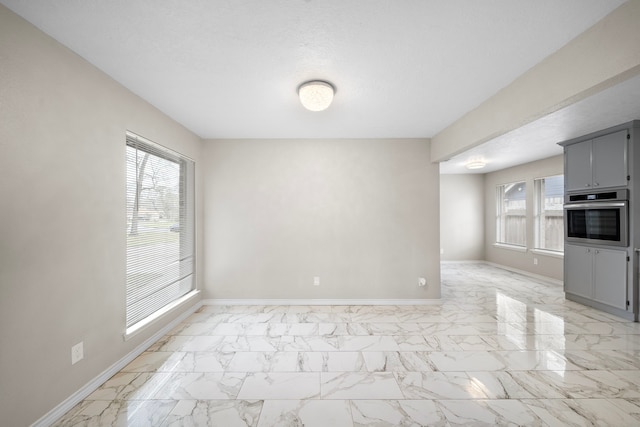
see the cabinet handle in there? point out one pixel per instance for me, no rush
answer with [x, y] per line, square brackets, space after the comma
[597, 251]
[588, 250]
[595, 184]
[587, 185]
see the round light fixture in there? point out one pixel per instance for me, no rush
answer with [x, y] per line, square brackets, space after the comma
[475, 164]
[316, 95]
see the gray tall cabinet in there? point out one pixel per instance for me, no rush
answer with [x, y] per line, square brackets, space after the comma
[604, 274]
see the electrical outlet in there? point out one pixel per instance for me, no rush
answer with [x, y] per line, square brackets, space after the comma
[77, 353]
[316, 281]
[535, 261]
[422, 281]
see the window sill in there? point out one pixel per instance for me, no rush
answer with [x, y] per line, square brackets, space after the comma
[141, 325]
[510, 247]
[546, 252]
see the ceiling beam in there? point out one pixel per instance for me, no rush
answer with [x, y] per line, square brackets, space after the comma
[603, 56]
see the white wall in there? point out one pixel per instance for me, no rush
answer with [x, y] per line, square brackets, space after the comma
[549, 266]
[62, 244]
[360, 214]
[462, 217]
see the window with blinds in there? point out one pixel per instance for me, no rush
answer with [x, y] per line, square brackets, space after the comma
[160, 228]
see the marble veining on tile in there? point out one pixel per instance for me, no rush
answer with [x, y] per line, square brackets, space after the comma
[214, 413]
[281, 385]
[359, 385]
[498, 349]
[308, 413]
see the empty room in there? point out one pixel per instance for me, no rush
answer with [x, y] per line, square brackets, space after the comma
[319, 213]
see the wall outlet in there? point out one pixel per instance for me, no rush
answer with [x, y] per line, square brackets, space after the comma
[422, 281]
[316, 281]
[77, 353]
[535, 261]
[441, 251]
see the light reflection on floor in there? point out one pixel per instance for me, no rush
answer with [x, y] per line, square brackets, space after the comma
[500, 348]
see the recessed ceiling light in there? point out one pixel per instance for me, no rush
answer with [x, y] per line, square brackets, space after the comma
[316, 95]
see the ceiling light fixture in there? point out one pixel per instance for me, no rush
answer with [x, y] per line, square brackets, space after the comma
[316, 95]
[475, 164]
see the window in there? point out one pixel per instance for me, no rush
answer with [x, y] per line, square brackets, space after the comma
[549, 220]
[160, 229]
[511, 214]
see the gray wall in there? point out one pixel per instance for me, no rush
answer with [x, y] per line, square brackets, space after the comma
[62, 244]
[462, 217]
[547, 265]
[360, 214]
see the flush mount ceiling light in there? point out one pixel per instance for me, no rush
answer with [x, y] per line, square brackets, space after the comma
[475, 164]
[316, 95]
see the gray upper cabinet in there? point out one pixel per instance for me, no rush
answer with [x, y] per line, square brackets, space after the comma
[578, 166]
[597, 163]
[610, 160]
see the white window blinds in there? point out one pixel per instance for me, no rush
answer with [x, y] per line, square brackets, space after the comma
[160, 228]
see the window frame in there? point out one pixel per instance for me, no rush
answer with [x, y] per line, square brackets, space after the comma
[183, 263]
[539, 212]
[500, 232]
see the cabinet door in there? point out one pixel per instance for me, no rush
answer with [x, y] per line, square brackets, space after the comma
[578, 270]
[610, 277]
[609, 160]
[577, 175]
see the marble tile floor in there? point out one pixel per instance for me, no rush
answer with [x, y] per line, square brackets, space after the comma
[499, 349]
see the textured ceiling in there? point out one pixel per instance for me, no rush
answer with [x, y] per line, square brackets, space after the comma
[230, 68]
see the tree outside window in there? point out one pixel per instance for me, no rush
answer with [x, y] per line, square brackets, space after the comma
[160, 228]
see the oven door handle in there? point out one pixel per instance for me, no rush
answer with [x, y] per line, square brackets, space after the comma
[601, 205]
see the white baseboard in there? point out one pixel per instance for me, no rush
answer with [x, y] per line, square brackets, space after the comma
[506, 267]
[258, 301]
[527, 273]
[56, 413]
[466, 261]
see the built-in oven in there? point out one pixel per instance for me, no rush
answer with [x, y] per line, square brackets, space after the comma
[597, 217]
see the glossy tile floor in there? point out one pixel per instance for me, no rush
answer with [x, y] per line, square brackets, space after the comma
[500, 349]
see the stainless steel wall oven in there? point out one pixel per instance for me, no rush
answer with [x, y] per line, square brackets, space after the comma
[597, 218]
